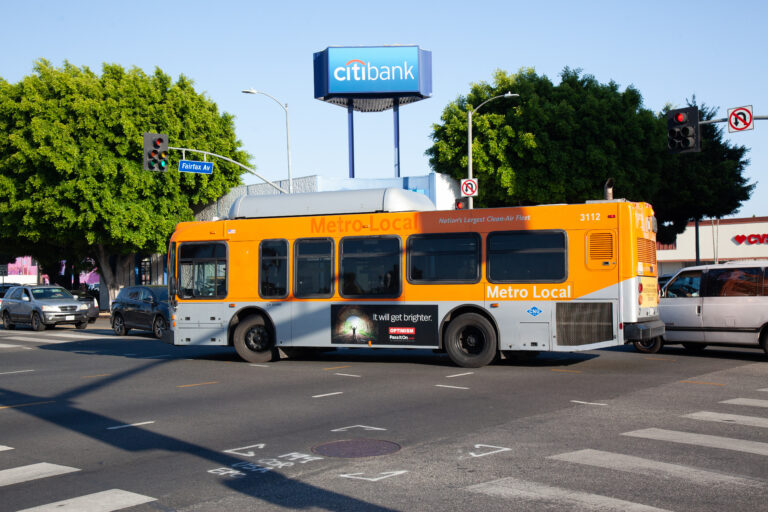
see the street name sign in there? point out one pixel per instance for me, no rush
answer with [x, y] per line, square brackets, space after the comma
[193, 166]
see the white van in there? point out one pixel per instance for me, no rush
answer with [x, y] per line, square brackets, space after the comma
[725, 304]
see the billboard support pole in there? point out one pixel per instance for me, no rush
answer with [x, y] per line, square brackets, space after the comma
[351, 130]
[396, 118]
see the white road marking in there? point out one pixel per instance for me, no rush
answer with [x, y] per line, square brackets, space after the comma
[105, 501]
[382, 476]
[567, 499]
[752, 402]
[32, 472]
[130, 425]
[327, 394]
[8, 345]
[723, 443]
[35, 340]
[496, 449]
[3, 448]
[450, 387]
[652, 468]
[17, 371]
[347, 375]
[734, 419]
[81, 335]
[586, 403]
[764, 389]
[260, 365]
[364, 427]
[459, 375]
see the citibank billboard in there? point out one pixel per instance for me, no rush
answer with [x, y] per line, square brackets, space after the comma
[373, 72]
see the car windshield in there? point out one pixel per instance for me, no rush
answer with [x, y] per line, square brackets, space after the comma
[51, 293]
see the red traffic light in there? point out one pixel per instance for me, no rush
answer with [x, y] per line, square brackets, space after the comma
[681, 117]
[158, 142]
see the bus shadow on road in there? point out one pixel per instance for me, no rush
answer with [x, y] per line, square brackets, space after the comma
[269, 486]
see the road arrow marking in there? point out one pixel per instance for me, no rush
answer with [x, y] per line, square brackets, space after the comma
[384, 475]
[249, 453]
[497, 449]
[364, 427]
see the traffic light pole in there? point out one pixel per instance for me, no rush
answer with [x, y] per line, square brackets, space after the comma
[247, 169]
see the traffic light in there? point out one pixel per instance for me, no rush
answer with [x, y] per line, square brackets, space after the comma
[462, 203]
[683, 130]
[156, 152]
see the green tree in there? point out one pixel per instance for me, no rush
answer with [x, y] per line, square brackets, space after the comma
[71, 178]
[560, 143]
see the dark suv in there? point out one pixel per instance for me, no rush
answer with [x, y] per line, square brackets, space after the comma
[42, 307]
[141, 307]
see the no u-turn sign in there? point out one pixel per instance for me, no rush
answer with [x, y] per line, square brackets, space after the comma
[740, 119]
[469, 187]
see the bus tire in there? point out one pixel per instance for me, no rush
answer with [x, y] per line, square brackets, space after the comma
[649, 346]
[470, 341]
[254, 341]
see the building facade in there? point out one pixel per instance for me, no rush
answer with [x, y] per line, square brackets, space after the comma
[720, 240]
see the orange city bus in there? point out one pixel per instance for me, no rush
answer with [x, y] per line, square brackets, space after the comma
[383, 268]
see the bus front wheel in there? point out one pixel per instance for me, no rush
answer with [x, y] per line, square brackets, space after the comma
[254, 341]
[470, 341]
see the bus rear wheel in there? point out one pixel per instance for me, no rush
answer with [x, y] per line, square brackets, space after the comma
[254, 341]
[470, 341]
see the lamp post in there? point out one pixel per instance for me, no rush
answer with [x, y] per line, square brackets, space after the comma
[287, 132]
[469, 134]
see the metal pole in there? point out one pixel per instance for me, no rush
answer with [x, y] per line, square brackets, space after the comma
[351, 130]
[288, 149]
[396, 116]
[469, 153]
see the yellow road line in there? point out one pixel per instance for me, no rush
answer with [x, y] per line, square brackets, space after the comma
[200, 384]
[338, 367]
[25, 405]
[700, 382]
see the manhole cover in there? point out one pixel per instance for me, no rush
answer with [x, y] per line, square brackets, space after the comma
[351, 448]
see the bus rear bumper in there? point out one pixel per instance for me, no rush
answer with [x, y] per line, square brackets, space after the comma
[643, 330]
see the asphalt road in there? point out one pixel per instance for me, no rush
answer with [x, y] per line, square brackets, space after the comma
[127, 423]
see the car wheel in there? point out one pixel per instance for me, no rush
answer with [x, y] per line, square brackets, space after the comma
[254, 341]
[763, 340]
[36, 322]
[82, 325]
[649, 346]
[7, 324]
[159, 326]
[118, 325]
[470, 341]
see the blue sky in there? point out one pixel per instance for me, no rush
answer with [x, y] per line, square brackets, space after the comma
[667, 50]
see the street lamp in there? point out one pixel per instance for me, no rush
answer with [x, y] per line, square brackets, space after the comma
[469, 134]
[287, 132]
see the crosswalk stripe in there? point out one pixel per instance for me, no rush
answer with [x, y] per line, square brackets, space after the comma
[8, 345]
[752, 402]
[35, 340]
[105, 501]
[647, 467]
[512, 488]
[32, 472]
[80, 335]
[724, 443]
[733, 419]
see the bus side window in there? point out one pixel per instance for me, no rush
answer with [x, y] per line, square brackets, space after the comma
[203, 269]
[273, 269]
[313, 275]
[370, 266]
